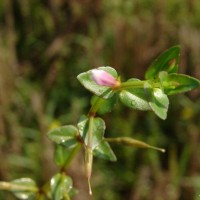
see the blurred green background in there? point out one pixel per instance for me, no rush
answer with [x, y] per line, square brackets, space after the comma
[45, 44]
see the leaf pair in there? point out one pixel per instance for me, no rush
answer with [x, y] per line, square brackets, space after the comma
[165, 69]
[151, 94]
[69, 137]
[100, 147]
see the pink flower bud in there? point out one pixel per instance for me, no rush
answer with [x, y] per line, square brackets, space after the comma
[103, 78]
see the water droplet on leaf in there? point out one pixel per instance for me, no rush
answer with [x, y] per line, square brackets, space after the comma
[133, 103]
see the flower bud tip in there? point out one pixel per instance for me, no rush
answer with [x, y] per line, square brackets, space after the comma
[103, 78]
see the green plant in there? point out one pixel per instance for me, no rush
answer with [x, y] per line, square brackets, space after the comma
[151, 94]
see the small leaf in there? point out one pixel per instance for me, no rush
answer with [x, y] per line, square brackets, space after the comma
[103, 150]
[98, 130]
[167, 61]
[24, 188]
[179, 83]
[106, 104]
[134, 98]
[61, 154]
[158, 101]
[60, 186]
[65, 135]
[102, 91]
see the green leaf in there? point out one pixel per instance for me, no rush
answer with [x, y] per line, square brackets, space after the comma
[65, 135]
[158, 101]
[61, 154]
[106, 104]
[103, 150]
[24, 188]
[179, 83]
[134, 98]
[167, 61]
[98, 129]
[102, 91]
[60, 186]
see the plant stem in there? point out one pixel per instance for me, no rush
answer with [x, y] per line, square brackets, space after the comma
[137, 84]
[89, 153]
[132, 84]
[95, 106]
[12, 186]
[91, 121]
[72, 155]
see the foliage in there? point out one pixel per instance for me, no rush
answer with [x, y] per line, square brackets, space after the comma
[44, 45]
[150, 94]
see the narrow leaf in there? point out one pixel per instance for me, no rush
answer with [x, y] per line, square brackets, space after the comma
[179, 83]
[167, 61]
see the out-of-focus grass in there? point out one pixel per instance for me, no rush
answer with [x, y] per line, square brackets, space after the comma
[43, 47]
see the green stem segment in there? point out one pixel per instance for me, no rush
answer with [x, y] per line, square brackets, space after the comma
[72, 155]
[131, 84]
[95, 106]
[137, 84]
[89, 153]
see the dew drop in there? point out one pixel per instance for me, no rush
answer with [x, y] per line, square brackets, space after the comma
[80, 128]
[133, 103]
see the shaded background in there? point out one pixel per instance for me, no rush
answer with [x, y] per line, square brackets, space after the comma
[44, 45]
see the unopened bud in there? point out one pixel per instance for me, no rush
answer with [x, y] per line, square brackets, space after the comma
[103, 78]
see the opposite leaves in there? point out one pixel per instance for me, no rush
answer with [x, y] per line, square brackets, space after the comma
[100, 147]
